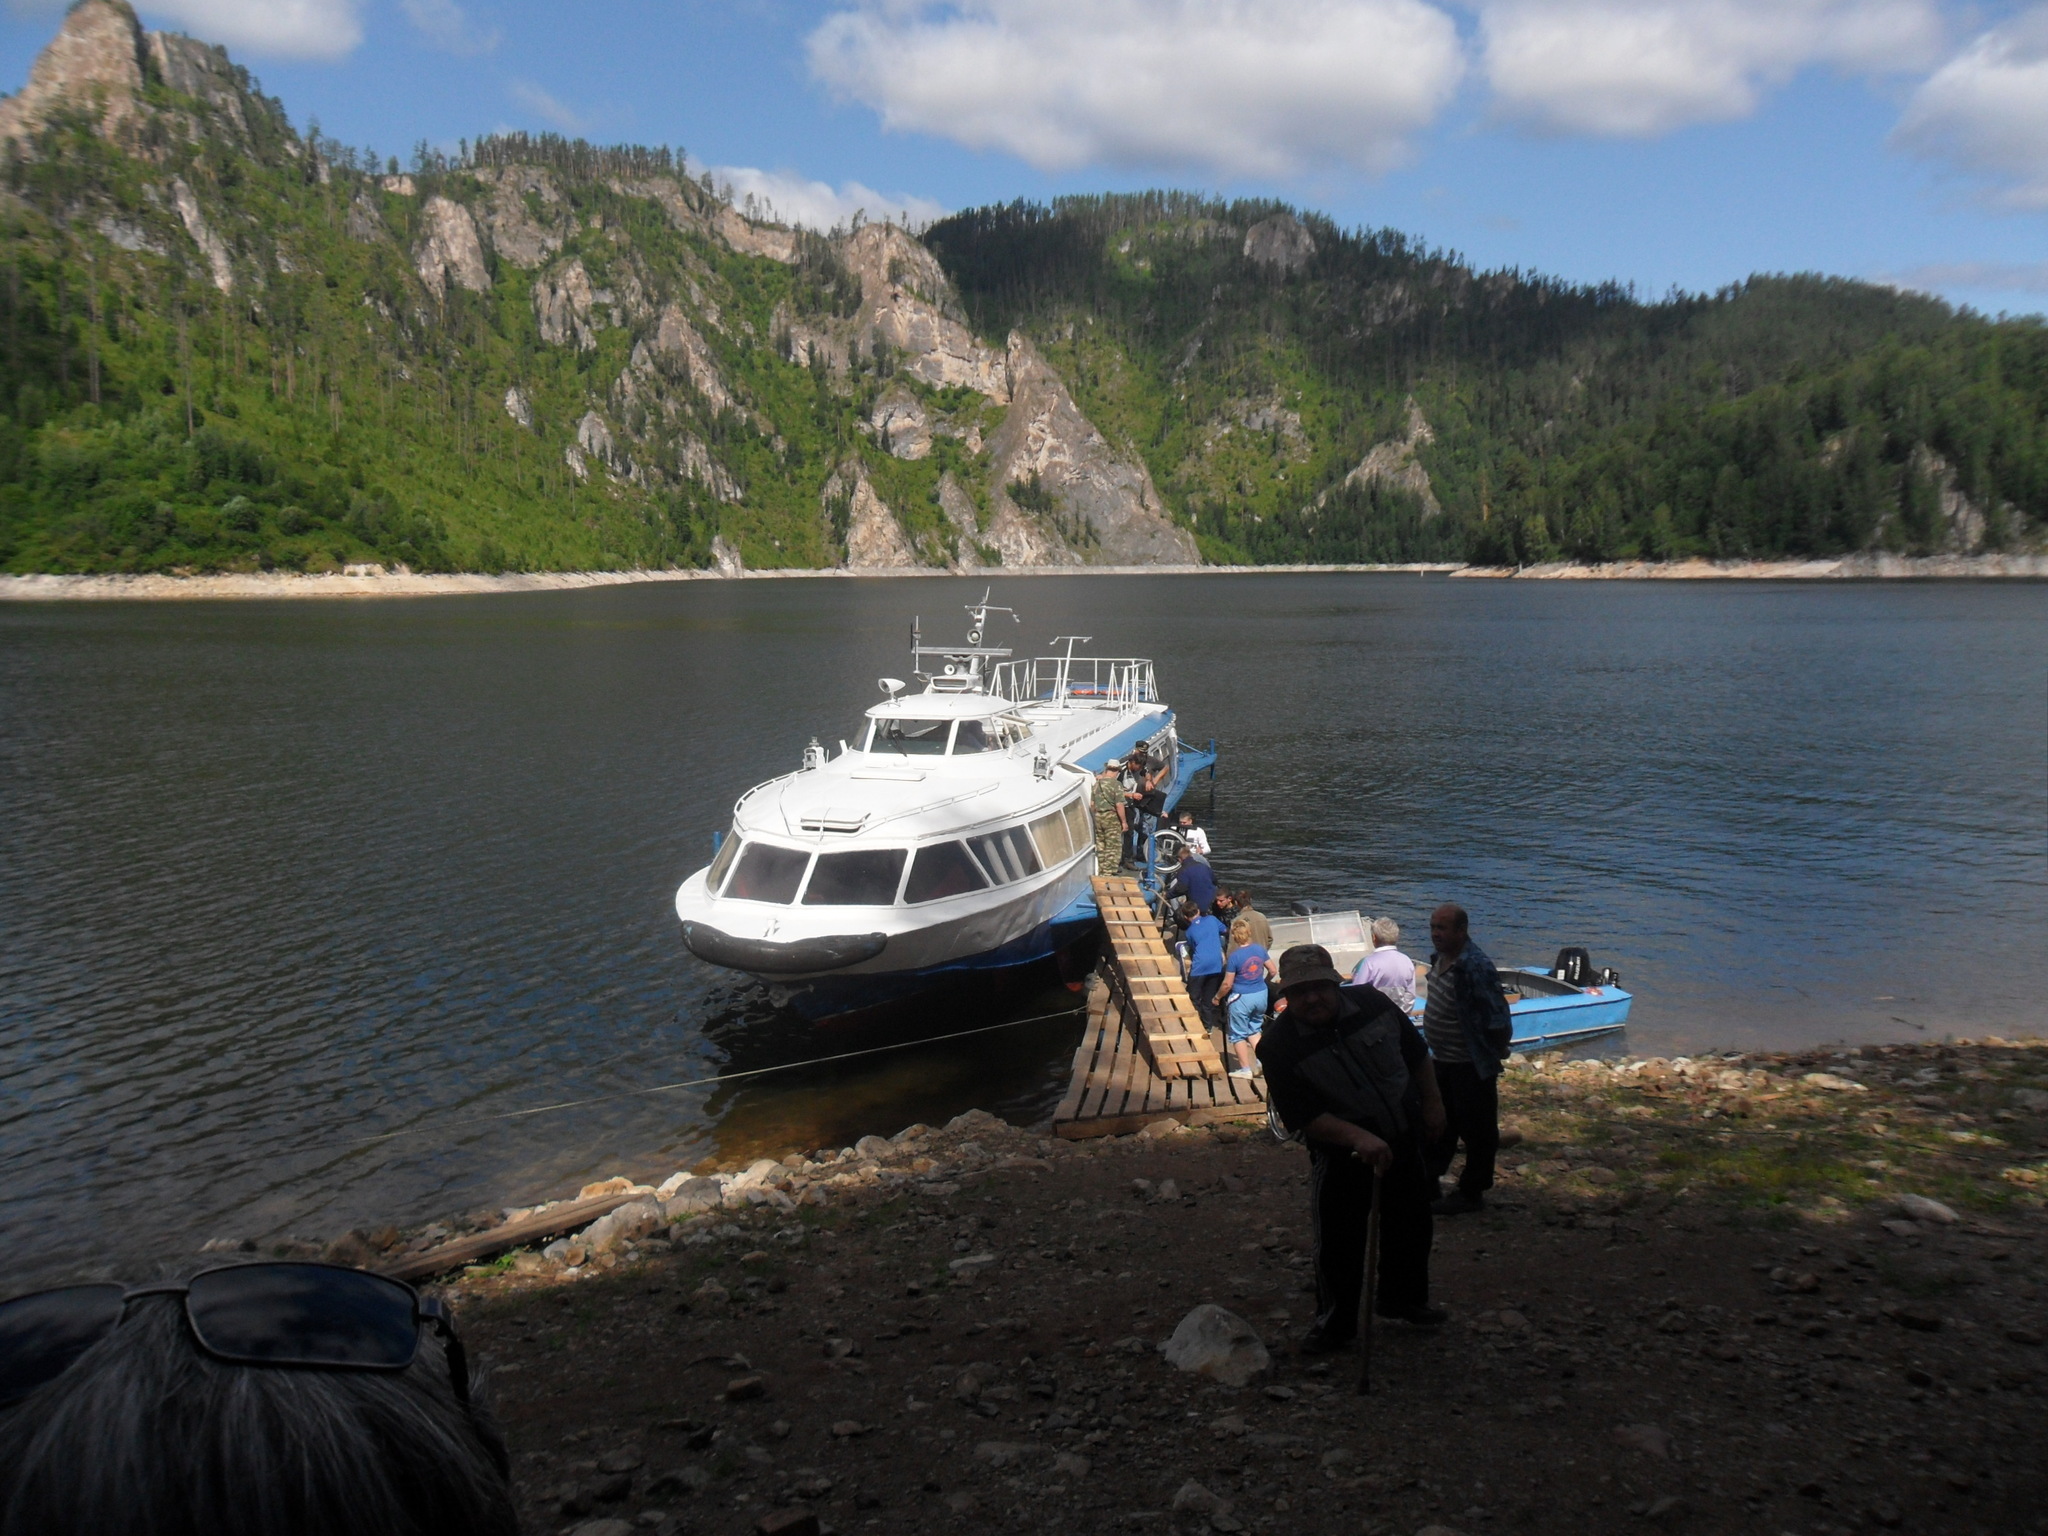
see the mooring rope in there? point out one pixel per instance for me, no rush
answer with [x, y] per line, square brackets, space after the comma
[702, 1082]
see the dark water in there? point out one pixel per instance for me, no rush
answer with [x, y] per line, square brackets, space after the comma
[281, 877]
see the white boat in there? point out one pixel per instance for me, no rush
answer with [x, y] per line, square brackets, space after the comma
[953, 839]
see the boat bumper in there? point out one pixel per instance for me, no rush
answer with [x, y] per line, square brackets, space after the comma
[768, 957]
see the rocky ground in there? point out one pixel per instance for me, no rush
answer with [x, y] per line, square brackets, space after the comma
[1759, 1295]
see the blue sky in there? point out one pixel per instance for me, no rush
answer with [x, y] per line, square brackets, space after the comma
[1661, 142]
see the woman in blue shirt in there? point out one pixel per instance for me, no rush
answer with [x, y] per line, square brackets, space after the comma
[1245, 970]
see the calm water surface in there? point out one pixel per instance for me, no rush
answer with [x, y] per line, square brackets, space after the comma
[281, 878]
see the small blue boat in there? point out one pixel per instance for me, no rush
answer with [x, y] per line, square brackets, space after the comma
[1549, 1010]
[1570, 1001]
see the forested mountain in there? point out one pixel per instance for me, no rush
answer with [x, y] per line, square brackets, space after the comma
[228, 344]
[1305, 392]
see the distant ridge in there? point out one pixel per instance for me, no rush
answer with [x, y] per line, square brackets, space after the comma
[232, 346]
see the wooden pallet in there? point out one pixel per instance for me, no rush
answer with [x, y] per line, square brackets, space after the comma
[1114, 1091]
[1147, 982]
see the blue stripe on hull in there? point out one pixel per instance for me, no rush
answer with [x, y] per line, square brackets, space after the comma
[842, 999]
[1542, 1021]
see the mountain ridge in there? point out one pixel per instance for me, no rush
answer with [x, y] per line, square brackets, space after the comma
[231, 346]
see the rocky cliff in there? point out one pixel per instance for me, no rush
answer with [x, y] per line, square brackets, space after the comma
[539, 353]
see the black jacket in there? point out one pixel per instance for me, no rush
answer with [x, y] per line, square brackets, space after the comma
[1362, 1069]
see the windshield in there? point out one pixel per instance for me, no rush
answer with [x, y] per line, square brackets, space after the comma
[912, 738]
[860, 878]
[767, 873]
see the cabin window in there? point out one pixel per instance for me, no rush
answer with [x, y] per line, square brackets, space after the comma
[722, 861]
[865, 877]
[912, 738]
[975, 736]
[1077, 824]
[768, 873]
[1006, 855]
[1055, 842]
[942, 869]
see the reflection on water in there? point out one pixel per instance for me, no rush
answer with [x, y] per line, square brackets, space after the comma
[283, 877]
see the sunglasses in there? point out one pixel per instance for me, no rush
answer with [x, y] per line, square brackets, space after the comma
[306, 1315]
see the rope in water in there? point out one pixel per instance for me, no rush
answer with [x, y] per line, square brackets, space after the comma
[703, 1082]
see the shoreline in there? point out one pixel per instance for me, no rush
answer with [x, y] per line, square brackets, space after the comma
[965, 1327]
[270, 585]
[795, 1177]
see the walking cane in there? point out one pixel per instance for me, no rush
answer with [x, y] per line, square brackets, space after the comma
[1372, 1287]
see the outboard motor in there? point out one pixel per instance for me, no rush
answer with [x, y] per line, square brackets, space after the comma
[1574, 967]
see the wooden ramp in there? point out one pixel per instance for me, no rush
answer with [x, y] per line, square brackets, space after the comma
[1114, 1090]
[1147, 982]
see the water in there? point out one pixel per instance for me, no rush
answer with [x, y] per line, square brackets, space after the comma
[279, 878]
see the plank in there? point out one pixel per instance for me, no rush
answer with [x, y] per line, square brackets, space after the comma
[1084, 1054]
[514, 1234]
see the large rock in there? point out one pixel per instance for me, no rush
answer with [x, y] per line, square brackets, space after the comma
[1280, 244]
[448, 250]
[1102, 501]
[94, 63]
[627, 1224]
[210, 244]
[564, 307]
[691, 1197]
[905, 304]
[676, 351]
[203, 72]
[900, 424]
[1920, 1208]
[509, 220]
[1394, 463]
[1218, 1344]
[874, 539]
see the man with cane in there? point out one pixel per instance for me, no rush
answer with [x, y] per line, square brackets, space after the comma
[1347, 1071]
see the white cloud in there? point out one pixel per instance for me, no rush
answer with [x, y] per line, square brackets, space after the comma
[1977, 277]
[1637, 68]
[546, 107]
[284, 29]
[1985, 112]
[1228, 87]
[446, 25]
[790, 198]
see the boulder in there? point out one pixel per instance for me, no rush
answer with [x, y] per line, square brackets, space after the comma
[624, 1225]
[691, 1197]
[758, 1173]
[1218, 1344]
[1920, 1208]
[977, 1120]
[873, 1146]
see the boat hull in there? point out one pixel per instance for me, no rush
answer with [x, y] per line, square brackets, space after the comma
[1544, 1022]
[1062, 948]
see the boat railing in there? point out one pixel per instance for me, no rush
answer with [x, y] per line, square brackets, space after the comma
[1111, 680]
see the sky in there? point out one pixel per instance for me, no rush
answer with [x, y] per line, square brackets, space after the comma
[1661, 143]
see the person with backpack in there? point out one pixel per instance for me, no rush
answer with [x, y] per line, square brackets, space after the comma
[1469, 1031]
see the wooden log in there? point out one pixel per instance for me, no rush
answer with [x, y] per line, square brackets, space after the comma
[551, 1222]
